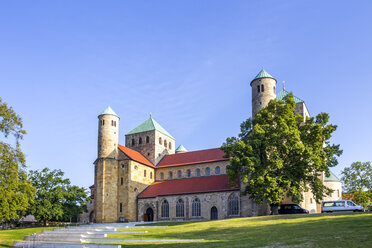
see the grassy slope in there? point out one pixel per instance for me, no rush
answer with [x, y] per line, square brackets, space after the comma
[7, 237]
[326, 230]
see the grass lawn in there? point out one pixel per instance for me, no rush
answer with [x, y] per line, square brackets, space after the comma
[315, 230]
[7, 237]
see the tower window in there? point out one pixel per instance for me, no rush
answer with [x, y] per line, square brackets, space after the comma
[258, 88]
[170, 176]
[103, 122]
[148, 154]
[165, 143]
[133, 142]
[160, 141]
[121, 207]
[179, 174]
[144, 173]
[121, 181]
[274, 89]
[150, 174]
[170, 145]
[112, 123]
[262, 88]
[147, 139]
[140, 141]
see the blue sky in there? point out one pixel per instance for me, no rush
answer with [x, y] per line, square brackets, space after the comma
[189, 63]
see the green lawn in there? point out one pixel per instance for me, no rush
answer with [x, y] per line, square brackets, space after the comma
[7, 237]
[315, 230]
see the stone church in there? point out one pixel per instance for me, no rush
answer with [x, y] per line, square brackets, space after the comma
[149, 179]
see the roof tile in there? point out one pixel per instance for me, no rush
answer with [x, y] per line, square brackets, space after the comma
[188, 186]
[136, 156]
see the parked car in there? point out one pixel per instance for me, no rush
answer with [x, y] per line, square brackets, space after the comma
[341, 206]
[292, 209]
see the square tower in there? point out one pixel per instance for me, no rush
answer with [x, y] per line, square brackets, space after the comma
[151, 140]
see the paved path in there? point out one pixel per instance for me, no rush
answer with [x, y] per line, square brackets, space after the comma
[79, 236]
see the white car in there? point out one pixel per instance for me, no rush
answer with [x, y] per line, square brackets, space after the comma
[341, 206]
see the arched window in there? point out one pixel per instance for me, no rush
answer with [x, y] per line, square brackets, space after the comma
[165, 209]
[207, 171]
[170, 176]
[165, 143]
[160, 141]
[144, 173]
[196, 207]
[258, 88]
[234, 205]
[198, 172]
[262, 88]
[133, 142]
[274, 89]
[179, 174]
[180, 208]
[140, 141]
[170, 145]
[103, 122]
[121, 207]
[188, 173]
[150, 174]
[147, 139]
[161, 175]
[218, 170]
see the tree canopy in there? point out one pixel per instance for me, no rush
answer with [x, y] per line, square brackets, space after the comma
[278, 154]
[55, 198]
[16, 191]
[357, 179]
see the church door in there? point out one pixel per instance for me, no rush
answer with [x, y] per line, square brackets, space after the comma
[214, 213]
[149, 214]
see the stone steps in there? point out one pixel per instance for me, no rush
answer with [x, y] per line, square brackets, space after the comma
[29, 244]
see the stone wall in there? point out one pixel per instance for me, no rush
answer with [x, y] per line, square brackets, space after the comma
[193, 168]
[219, 200]
[106, 190]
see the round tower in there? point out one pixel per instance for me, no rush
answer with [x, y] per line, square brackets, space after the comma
[263, 90]
[108, 134]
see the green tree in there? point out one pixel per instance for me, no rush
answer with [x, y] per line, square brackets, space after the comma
[55, 197]
[16, 191]
[278, 154]
[75, 203]
[357, 179]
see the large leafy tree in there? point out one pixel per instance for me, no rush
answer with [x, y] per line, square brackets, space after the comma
[55, 198]
[16, 191]
[278, 154]
[357, 179]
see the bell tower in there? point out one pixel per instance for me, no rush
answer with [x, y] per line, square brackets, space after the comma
[106, 168]
[263, 90]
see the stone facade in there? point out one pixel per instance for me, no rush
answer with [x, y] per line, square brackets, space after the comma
[219, 200]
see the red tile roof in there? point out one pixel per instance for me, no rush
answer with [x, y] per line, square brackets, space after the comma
[195, 157]
[187, 186]
[136, 156]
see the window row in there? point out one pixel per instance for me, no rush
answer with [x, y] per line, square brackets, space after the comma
[233, 207]
[166, 144]
[113, 123]
[197, 172]
[261, 88]
[140, 141]
[145, 172]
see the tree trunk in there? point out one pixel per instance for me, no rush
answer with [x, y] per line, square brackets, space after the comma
[44, 222]
[274, 209]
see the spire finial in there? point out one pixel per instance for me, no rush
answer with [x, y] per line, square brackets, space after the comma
[283, 85]
[150, 115]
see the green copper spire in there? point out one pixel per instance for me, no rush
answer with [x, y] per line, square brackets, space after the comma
[109, 111]
[283, 93]
[180, 149]
[263, 74]
[332, 178]
[149, 125]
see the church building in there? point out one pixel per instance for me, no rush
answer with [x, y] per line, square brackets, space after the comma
[149, 179]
